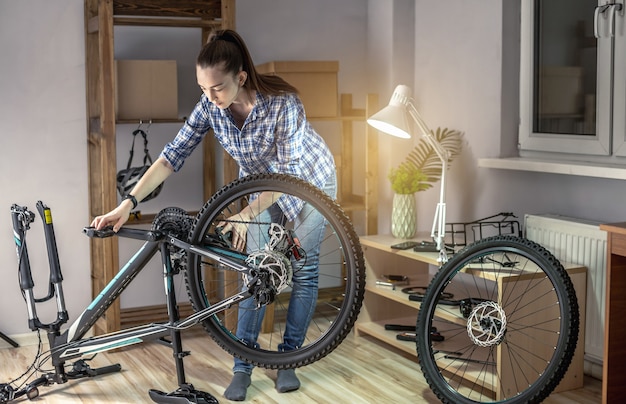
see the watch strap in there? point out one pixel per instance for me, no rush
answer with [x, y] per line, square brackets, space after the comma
[132, 199]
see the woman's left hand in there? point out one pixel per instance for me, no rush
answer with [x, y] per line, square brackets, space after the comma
[238, 225]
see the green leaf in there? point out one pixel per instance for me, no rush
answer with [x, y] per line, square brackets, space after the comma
[424, 159]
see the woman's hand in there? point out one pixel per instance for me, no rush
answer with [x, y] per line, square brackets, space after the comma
[238, 224]
[116, 218]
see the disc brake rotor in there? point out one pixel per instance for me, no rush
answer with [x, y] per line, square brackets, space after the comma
[486, 324]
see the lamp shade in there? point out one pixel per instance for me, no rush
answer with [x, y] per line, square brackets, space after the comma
[394, 119]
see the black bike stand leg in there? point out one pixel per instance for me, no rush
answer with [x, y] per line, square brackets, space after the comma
[8, 340]
[185, 393]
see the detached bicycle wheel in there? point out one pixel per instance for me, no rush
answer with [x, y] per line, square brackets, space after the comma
[279, 266]
[510, 330]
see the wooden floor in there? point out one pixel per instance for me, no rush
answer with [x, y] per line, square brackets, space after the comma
[361, 370]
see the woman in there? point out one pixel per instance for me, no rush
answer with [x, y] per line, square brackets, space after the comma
[261, 123]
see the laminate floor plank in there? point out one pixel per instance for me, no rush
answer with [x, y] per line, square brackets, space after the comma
[360, 370]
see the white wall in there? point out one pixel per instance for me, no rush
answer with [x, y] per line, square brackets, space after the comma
[458, 62]
[43, 147]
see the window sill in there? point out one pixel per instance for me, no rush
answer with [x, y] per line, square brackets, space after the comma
[555, 167]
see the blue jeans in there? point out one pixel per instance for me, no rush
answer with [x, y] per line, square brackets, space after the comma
[309, 227]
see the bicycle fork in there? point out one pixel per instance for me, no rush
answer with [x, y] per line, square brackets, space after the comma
[22, 218]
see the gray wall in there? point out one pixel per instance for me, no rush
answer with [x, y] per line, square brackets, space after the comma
[462, 69]
[43, 147]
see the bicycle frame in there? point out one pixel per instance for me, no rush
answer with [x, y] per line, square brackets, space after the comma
[154, 241]
[71, 344]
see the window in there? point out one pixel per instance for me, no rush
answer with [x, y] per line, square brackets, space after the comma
[572, 84]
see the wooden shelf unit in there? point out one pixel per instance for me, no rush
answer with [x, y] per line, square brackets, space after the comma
[383, 305]
[100, 17]
[349, 201]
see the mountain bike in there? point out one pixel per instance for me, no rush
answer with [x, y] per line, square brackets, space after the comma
[222, 283]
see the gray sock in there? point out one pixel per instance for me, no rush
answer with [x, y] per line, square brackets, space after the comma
[287, 380]
[236, 391]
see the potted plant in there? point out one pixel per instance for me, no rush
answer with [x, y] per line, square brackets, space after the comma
[407, 179]
[420, 170]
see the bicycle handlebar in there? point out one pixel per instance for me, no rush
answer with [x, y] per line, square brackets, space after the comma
[138, 234]
[103, 233]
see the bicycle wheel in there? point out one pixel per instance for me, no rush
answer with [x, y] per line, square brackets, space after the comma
[338, 283]
[512, 333]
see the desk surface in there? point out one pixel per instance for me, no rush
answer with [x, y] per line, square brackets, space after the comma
[619, 228]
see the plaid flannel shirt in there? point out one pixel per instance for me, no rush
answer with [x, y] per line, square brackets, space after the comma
[275, 138]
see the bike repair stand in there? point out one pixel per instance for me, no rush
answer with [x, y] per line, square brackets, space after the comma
[8, 340]
[185, 393]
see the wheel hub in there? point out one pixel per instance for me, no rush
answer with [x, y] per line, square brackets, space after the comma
[486, 324]
[270, 275]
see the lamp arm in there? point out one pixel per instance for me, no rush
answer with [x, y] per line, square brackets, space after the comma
[441, 152]
[438, 231]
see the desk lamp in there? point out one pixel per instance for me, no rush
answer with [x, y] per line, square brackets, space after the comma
[394, 120]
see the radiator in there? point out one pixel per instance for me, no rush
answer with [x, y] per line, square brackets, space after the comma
[580, 242]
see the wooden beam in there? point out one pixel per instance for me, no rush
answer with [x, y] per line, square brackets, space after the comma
[371, 168]
[166, 22]
[228, 14]
[101, 146]
[206, 9]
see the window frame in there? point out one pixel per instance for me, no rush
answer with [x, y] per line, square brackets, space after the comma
[566, 146]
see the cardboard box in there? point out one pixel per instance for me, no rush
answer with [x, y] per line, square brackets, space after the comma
[316, 82]
[146, 90]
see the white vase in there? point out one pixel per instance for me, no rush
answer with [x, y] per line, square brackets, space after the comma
[403, 216]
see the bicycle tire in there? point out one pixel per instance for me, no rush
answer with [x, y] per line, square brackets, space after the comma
[513, 339]
[341, 278]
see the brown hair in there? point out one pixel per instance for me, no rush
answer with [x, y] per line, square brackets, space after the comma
[226, 46]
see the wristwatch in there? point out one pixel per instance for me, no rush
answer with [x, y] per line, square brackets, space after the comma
[132, 198]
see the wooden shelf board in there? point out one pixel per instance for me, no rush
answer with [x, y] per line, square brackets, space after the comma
[383, 242]
[345, 118]
[377, 330]
[351, 203]
[148, 121]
